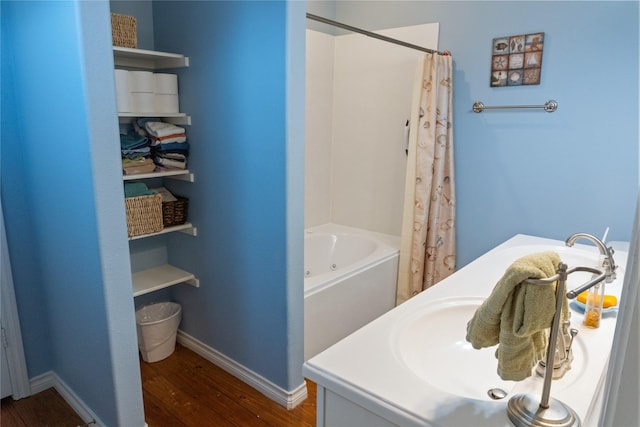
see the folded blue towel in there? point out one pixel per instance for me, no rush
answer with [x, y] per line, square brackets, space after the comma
[138, 152]
[130, 142]
[172, 147]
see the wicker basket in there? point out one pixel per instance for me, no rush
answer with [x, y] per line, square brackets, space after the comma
[124, 30]
[144, 214]
[175, 213]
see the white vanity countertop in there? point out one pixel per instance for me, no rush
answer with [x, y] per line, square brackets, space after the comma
[367, 369]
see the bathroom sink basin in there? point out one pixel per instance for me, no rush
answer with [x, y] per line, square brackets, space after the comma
[431, 343]
[413, 366]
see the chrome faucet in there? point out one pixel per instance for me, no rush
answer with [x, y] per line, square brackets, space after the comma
[563, 355]
[608, 263]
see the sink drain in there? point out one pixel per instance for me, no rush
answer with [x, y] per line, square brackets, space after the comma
[497, 393]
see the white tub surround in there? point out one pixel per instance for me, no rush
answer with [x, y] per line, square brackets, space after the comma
[413, 366]
[350, 280]
[358, 93]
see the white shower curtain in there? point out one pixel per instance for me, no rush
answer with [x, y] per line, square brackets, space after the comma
[428, 241]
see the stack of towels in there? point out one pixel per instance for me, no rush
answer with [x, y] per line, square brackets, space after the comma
[169, 146]
[136, 154]
[517, 316]
[150, 144]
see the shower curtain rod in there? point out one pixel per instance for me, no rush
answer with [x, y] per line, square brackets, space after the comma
[370, 34]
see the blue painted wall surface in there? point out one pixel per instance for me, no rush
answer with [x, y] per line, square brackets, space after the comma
[56, 107]
[235, 92]
[142, 10]
[533, 172]
[21, 234]
[510, 165]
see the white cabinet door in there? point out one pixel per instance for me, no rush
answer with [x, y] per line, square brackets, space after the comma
[14, 377]
[5, 377]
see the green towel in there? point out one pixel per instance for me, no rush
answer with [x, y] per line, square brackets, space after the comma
[136, 189]
[517, 316]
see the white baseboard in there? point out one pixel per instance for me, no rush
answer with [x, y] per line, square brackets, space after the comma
[50, 379]
[288, 399]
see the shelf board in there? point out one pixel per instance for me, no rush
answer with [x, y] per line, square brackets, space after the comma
[150, 114]
[182, 174]
[147, 59]
[161, 277]
[186, 228]
[173, 118]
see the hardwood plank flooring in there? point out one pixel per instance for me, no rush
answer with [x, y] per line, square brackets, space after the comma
[46, 408]
[190, 391]
[184, 390]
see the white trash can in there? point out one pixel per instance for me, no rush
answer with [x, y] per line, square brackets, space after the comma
[157, 327]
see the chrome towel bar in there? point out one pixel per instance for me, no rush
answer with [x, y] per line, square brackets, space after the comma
[550, 106]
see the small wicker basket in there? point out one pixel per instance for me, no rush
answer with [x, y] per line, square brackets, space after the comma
[175, 213]
[144, 214]
[124, 30]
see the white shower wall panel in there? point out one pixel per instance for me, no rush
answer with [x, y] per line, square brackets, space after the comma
[318, 128]
[362, 170]
[372, 101]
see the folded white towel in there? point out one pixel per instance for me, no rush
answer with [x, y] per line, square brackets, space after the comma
[171, 163]
[160, 129]
[169, 139]
[166, 194]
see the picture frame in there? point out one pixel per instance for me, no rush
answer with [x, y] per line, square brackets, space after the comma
[517, 60]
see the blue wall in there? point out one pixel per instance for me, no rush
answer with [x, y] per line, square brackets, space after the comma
[235, 91]
[63, 207]
[533, 172]
[66, 240]
[143, 12]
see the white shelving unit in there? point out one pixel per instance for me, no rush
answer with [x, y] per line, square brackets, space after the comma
[161, 277]
[166, 275]
[186, 228]
[181, 174]
[126, 57]
[174, 118]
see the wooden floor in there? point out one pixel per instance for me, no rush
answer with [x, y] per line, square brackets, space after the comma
[183, 390]
[187, 390]
[46, 408]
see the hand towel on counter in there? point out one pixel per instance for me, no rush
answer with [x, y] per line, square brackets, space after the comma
[516, 316]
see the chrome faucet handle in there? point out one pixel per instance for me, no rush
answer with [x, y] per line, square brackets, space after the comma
[563, 356]
[573, 332]
[610, 265]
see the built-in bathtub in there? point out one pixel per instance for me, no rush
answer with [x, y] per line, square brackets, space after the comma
[350, 280]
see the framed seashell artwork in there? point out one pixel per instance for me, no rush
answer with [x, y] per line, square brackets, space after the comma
[516, 60]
